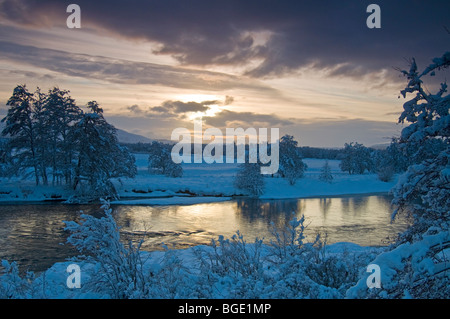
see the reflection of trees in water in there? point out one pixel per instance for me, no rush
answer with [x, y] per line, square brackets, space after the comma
[355, 204]
[325, 204]
[278, 212]
[384, 200]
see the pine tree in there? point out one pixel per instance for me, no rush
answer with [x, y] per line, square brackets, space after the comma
[21, 128]
[59, 113]
[250, 179]
[417, 266]
[99, 156]
[426, 184]
[291, 164]
[325, 173]
[160, 160]
[42, 151]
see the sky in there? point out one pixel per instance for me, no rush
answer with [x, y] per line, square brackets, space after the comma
[313, 69]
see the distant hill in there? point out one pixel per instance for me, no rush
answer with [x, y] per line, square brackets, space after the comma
[382, 146]
[130, 138]
[123, 136]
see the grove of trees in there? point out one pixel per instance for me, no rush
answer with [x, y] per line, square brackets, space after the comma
[57, 142]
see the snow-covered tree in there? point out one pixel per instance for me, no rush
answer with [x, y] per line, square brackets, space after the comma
[418, 265]
[250, 179]
[356, 159]
[20, 127]
[57, 115]
[426, 184]
[291, 163]
[50, 134]
[99, 157]
[325, 173]
[160, 160]
[396, 156]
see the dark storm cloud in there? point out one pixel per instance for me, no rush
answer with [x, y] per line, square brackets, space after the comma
[323, 34]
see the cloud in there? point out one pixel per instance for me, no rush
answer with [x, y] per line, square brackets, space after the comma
[274, 37]
[173, 109]
[222, 119]
[227, 118]
[123, 71]
[228, 100]
[335, 133]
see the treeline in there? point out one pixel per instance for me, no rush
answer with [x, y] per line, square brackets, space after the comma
[306, 151]
[355, 157]
[59, 143]
[396, 158]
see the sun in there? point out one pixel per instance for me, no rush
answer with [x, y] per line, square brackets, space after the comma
[213, 108]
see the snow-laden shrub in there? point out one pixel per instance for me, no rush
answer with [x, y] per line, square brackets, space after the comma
[250, 179]
[12, 285]
[304, 269]
[123, 270]
[172, 279]
[412, 270]
[88, 193]
[234, 265]
[386, 173]
[119, 269]
[287, 267]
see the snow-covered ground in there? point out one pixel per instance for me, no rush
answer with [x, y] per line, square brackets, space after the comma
[186, 280]
[207, 182]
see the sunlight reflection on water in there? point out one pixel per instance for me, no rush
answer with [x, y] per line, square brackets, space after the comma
[33, 235]
[364, 220]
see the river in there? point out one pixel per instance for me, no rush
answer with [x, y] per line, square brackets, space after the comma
[34, 236]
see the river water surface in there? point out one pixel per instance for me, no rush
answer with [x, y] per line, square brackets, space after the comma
[34, 236]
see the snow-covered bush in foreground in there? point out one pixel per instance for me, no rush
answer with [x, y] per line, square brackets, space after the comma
[119, 269]
[13, 286]
[411, 270]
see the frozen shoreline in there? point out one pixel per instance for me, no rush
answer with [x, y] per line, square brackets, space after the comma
[204, 183]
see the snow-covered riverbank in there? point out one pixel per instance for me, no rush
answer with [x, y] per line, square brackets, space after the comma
[207, 183]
